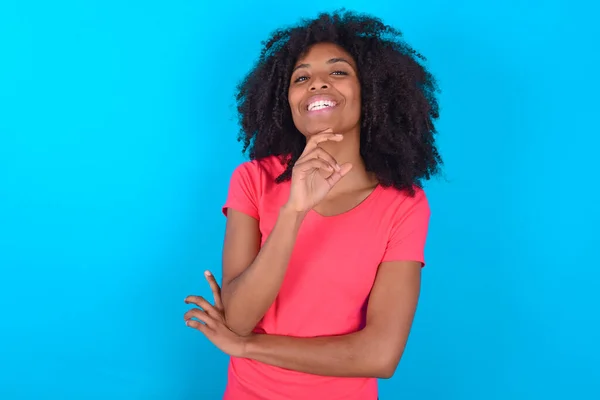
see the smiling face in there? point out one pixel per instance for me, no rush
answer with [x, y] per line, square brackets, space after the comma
[324, 91]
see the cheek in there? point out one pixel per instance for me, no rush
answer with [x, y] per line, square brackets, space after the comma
[357, 94]
[352, 94]
[294, 100]
[356, 101]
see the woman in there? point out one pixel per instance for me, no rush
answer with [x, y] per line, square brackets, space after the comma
[326, 225]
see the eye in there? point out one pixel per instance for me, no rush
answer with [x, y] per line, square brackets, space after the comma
[304, 78]
[300, 79]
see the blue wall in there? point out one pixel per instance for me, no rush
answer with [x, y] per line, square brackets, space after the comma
[118, 137]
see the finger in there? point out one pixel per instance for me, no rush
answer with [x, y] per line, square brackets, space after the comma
[312, 164]
[198, 325]
[216, 289]
[202, 303]
[337, 176]
[322, 154]
[199, 315]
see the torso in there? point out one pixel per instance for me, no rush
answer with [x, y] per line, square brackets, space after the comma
[343, 202]
[325, 291]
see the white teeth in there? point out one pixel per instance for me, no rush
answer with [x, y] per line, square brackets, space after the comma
[319, 105]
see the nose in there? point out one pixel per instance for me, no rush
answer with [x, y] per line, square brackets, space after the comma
[319, 84]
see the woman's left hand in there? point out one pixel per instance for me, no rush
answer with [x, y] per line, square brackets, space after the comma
[210, 320]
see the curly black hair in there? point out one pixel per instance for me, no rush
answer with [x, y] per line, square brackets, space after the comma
[398, 106]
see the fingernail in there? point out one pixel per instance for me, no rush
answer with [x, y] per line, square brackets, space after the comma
[207, 273]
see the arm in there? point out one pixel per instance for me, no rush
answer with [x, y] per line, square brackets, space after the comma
[375, 351]
[252, 277]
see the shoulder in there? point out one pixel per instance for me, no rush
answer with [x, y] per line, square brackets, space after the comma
[248, 184]
[403, 210]
[267, 168]
[407, 221]
[256, 177]
[399, 203]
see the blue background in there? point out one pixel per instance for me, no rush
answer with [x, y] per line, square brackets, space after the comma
[118, 138]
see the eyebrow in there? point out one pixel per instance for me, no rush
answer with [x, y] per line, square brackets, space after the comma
[330, 61]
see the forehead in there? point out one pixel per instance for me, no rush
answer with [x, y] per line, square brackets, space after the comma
[322, 52]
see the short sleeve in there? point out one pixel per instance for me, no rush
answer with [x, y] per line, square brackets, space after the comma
[409, 230]
[244, 190]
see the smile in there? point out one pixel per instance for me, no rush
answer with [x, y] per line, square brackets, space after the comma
[321, 105]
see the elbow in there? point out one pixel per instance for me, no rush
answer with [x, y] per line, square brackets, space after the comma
[386, 371]
[381, 354]
[237, 327]
[234, 321]
[241, 331]
[387, 364]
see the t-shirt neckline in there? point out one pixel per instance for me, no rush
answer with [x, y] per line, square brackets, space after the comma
[360, 206]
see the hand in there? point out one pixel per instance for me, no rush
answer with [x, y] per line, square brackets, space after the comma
[210, 320]
[315, 173]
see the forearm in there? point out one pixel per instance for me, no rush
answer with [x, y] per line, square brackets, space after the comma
[248, 297]
[352, 355]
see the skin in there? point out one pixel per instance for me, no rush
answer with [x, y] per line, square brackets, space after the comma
[328, 70]
[329, 178]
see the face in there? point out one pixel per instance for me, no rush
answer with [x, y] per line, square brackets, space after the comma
[324, 91]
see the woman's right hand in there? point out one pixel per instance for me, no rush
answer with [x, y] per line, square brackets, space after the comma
[315, 173]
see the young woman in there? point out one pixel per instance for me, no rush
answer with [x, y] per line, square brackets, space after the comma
[326, 225]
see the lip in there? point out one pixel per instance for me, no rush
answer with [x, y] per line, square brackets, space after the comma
[319, 97]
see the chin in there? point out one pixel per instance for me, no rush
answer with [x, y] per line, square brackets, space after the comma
[313, 129]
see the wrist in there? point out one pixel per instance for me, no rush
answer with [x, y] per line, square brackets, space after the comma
[290, 213]
[246, 343]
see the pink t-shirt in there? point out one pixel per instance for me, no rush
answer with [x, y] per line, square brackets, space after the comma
[330, 274]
